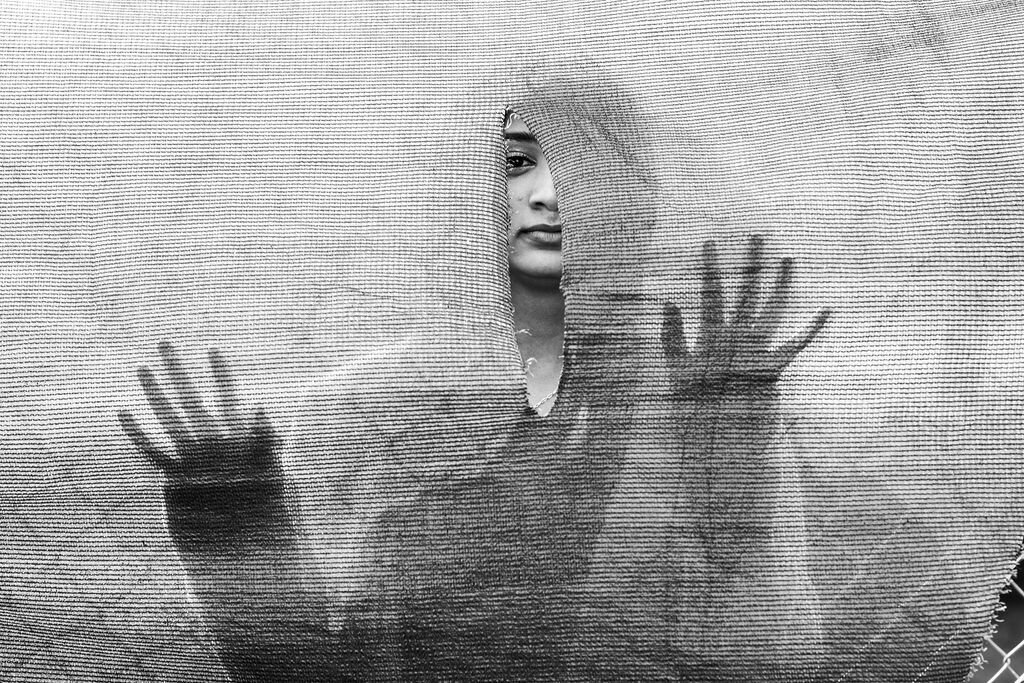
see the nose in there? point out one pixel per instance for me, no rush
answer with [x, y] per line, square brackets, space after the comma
[542, 194]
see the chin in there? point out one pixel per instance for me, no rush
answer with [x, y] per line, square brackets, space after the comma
[543, 268]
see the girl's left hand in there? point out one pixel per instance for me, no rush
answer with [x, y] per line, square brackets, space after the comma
[733, 353]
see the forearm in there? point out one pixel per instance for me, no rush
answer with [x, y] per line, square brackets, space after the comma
[728, 446]
[701, 570]
[260, 595]
[749, 512]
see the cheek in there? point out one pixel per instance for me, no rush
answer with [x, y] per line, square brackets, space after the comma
[516, 204]
[517, 198]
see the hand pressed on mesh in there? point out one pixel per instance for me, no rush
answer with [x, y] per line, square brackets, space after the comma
[207, 449]
[733, 354]
[223, 476]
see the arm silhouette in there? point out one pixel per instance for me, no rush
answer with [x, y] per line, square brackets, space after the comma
[743, 504]
[229, 515]
[724, 390]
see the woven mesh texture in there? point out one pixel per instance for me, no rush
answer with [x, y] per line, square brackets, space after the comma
[318, 190]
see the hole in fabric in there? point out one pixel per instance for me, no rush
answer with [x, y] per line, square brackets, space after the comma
[535, 263]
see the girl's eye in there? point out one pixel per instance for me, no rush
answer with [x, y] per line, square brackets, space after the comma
[518, 162]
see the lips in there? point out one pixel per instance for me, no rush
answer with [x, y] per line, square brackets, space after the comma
[543, 235]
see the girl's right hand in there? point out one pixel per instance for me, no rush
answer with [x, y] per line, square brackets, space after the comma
[223, 480]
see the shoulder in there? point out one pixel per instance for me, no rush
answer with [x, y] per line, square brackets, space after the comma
[406, 391]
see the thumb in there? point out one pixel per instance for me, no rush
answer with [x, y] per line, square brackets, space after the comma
[263, 440]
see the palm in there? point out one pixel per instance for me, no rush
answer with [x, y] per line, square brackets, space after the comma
[228, 448]
[734, 352]
[223, 481]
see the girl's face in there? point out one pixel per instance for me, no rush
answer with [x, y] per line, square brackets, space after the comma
[535, 231]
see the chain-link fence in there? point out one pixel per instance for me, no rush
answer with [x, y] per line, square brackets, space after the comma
[1004, 651]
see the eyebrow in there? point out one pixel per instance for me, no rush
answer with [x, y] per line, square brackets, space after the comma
[522, 137]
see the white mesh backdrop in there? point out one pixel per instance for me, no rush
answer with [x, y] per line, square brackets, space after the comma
[317, 189]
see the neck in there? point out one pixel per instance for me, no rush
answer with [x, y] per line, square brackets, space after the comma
[539, 317]
[538, 306]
